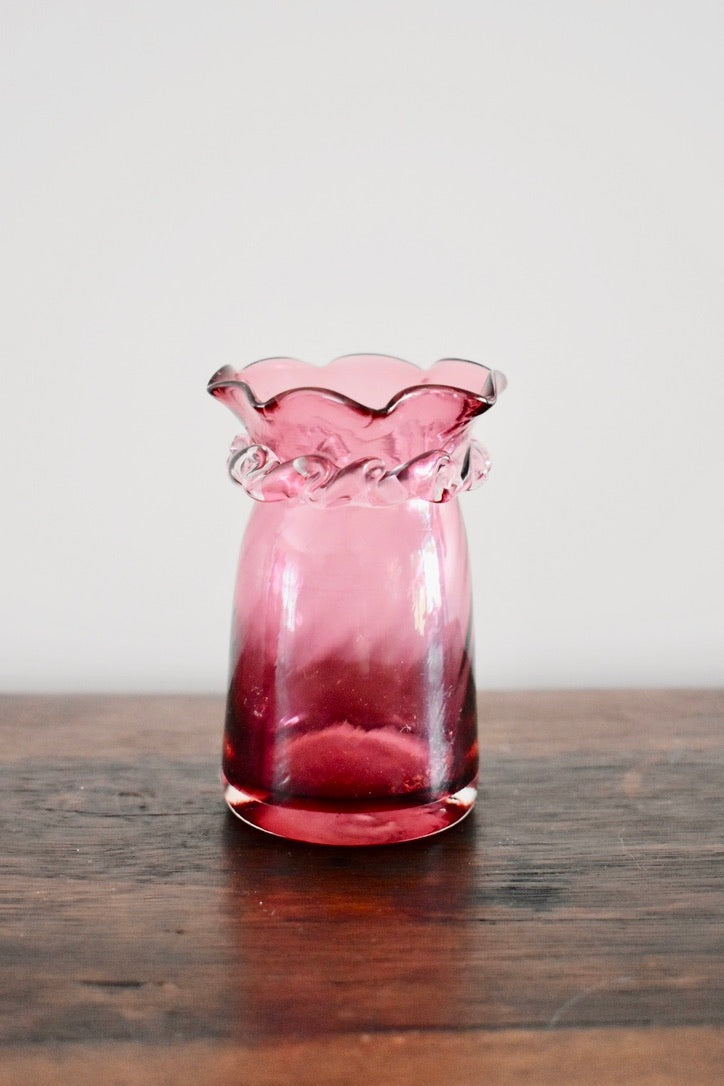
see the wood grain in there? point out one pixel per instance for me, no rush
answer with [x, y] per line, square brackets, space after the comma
[587, 1057]
[575, 917]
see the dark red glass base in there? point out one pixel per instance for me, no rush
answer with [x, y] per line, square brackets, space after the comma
[359, 758]
[368, 822]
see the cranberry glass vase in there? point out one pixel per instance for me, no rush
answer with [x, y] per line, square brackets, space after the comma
[351, 713]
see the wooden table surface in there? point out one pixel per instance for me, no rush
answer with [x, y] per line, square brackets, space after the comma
[569, 931]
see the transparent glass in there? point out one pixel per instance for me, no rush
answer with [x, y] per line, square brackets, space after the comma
[351, 715]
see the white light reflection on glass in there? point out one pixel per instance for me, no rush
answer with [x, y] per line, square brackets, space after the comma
[283, 675]
[430, 622]
[428, 595]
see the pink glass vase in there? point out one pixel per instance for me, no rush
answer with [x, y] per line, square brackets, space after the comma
[351, 714]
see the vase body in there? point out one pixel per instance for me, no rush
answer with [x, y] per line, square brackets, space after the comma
[351, 712]
[351, 716]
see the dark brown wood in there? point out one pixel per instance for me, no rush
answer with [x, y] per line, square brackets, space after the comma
[569, 931]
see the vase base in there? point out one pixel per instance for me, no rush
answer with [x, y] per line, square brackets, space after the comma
[358, 823]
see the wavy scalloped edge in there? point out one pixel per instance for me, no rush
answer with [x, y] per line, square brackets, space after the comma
[473, 380]
[436, 476]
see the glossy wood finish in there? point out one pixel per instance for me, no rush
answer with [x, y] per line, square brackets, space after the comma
[569, 931]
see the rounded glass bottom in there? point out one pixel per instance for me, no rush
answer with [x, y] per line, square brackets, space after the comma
[371, 822]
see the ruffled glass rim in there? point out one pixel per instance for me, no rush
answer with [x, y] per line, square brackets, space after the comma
[484, 390]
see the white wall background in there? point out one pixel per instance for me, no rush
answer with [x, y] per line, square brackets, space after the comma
[536, 186]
